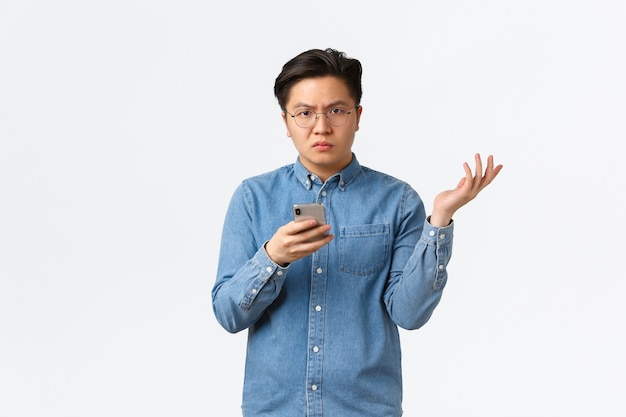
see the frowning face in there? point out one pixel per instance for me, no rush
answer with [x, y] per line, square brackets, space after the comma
[324, 103]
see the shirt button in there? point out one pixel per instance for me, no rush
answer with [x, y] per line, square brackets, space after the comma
[316, 349]
[268, 269]
[253, 290]
[431, 233]
[441, 236]
[314, 387]
[318, 308]
[324, 193]
[319, 270]
[279, 273]
[441, 266]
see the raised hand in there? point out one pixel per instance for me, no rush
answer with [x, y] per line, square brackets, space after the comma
[449, 201]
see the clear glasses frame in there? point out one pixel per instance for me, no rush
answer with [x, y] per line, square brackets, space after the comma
[335, 119]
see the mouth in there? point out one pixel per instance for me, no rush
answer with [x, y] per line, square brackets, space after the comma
[322, 145]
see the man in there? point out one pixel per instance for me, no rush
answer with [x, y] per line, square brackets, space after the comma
[322, 303]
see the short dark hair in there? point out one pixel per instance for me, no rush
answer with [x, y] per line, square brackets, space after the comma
[319, 63]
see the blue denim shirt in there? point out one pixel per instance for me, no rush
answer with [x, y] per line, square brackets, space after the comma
[323, 334]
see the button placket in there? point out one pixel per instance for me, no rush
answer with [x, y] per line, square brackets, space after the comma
[319, 278]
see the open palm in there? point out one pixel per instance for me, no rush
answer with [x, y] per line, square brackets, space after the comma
[449, 201]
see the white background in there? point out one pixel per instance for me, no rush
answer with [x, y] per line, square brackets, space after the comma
[126, 125]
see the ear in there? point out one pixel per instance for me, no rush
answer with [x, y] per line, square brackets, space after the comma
[284, 116]
[358, 117]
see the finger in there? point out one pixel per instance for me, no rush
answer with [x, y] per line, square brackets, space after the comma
[300, 226]
[468, 175]
[490, 168]
[490, 172]
[479, 168]
[313, 243]
[495, 169]
[487, 173]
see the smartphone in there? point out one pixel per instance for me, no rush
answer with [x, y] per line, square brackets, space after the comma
[309, 211]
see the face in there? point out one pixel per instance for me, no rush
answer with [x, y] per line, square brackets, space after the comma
[323, 149]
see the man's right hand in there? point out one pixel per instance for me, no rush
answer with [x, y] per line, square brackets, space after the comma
[296, 240]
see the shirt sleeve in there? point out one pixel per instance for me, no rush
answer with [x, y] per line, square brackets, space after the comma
[247, 281]
[419, 269]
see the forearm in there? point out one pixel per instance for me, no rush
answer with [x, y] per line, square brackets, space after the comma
[240, 298]
[416, 290]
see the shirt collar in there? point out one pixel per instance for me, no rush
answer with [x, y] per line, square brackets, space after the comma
[346, 175]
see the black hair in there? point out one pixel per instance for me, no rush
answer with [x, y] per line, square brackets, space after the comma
[319, 63]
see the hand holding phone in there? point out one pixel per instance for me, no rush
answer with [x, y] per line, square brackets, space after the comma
[283, 249]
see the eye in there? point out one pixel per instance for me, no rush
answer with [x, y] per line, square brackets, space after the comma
[304, 114]
[337, 112]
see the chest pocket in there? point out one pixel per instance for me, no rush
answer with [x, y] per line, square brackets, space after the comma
[363, 249]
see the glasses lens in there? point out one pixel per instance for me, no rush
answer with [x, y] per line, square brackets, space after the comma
[337, 117]
[305, 118]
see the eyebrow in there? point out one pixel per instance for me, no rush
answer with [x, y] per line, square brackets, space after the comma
[332, 103]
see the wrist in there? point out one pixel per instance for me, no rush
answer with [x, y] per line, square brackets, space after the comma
[439, 221]
[272, 258]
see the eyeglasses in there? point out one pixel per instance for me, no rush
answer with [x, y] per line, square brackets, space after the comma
[336, 116]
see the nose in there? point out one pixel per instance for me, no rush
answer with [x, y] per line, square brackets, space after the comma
[324, 125]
